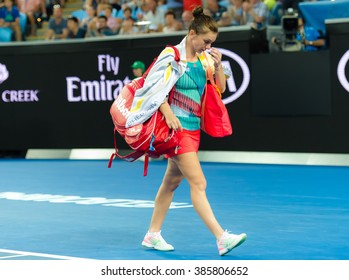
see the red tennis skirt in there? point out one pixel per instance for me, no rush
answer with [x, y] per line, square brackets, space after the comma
[188, 141]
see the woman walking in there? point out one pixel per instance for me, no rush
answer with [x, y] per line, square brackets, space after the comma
[183, 115]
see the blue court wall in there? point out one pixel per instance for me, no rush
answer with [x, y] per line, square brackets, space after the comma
[57, 95]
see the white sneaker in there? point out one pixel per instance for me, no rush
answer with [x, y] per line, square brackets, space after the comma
[229, 241]
[154, 240]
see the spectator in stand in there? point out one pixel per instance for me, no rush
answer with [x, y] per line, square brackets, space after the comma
[225, 20]
[57, 26]
[74, 31]
[155, 15]
[132, 3]
[187, 18]
[91, 16]
[9, 17]
[161, 4]
[255, 14]
[128, 24]
[32, 8]
[114, 23]
[93, 3]
[116, 4]
[216, 10]
[100, 28]
[171, 23]
[102, 4]
[140, 11]
[50, 4]
[235, 12]
[207, 12]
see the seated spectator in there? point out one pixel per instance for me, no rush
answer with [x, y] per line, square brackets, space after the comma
[102, 4]
[255, 14]
[128, 24]
[100, 28]
[74, 31]
[140, 11]
[128, 5]
[114, 23]
[90, 16]
[155, 15]
[32, 8]
[235, 12]
[57, 26]
[225, 20]
[171, 23]
[50, 4]
[9, 17]
[93, 3]
[215, 9]
[187, 18]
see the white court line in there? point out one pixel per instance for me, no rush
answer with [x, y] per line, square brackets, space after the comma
[23, 253]
[12, 256]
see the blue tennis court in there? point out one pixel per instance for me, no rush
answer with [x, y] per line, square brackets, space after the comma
[68, 209]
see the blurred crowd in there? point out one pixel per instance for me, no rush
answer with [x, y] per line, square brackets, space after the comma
[99, 18]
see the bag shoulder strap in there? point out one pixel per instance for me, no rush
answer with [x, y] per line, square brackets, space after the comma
[210, 75]
[176, 51]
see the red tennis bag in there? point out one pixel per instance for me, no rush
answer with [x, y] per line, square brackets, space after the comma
[152, 138]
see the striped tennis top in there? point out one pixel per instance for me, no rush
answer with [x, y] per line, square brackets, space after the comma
[186, 101]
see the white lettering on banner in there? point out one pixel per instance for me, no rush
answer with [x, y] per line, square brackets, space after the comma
[102, 90]
[26, 95]
[108, 63]
[131, 203]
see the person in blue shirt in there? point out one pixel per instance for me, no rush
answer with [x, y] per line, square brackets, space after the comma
[311, 39]
[9, 17]
[74, 31]
[100, 28]
[57, 25]
[306, 38]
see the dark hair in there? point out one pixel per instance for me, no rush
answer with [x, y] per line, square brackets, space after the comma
[170, 12]
[72, 18]
[128, 9]
[103, 17]
[202, 23]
